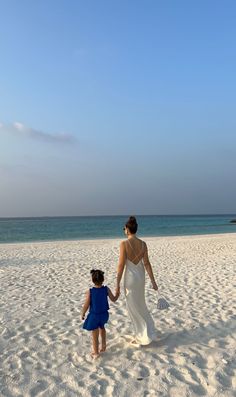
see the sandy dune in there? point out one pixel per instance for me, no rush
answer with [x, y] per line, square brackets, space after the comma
[44, 351]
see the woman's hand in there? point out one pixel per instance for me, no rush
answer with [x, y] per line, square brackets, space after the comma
[155, 286]
[118, 290]
[117, 296]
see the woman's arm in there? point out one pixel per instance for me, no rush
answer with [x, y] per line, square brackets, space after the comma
[86, 305]
[121, 265]
[111, 296]
[148, 268]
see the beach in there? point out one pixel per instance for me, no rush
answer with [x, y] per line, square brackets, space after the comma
[45, 352]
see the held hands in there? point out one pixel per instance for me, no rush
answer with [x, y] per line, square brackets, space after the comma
[117, 291]
[117, 294]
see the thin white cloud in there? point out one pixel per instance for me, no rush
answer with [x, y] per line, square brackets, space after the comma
[19, 128]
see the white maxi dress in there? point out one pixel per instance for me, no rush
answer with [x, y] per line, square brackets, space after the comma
[134, 285]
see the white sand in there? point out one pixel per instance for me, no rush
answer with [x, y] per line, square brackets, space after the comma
[44, 351]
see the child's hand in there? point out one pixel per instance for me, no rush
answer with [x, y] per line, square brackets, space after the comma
[82, 316]
[113, 297]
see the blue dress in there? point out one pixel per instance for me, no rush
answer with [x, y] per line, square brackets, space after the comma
[98, 310]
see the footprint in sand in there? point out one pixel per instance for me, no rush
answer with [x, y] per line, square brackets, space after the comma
[40, 387]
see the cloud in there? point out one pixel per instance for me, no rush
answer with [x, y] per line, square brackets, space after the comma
[23, 130]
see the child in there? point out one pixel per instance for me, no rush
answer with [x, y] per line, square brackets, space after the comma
[97, 302]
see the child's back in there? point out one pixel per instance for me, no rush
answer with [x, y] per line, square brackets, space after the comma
[98, 300]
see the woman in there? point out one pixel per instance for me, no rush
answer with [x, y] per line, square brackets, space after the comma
[134, 260]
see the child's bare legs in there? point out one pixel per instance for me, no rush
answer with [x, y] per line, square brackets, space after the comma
[95, 335]
[102, 333]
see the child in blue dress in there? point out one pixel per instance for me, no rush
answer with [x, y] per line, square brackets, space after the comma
[97, 303]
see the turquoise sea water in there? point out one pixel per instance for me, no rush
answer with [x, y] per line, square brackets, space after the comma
[93, 227]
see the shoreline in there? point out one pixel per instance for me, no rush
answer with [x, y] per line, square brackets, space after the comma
[103, 239]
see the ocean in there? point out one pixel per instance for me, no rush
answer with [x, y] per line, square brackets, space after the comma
[93, 227]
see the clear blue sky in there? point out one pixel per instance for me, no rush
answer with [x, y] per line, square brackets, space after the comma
[117, 107]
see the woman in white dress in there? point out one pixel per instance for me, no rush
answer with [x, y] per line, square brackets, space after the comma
[133, 261]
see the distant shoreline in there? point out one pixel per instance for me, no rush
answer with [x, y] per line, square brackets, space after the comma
[117, 239]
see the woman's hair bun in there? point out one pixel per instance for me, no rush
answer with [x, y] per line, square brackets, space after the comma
[132, 225]
[92, 271]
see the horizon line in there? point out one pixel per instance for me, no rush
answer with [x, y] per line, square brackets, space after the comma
[110, 215]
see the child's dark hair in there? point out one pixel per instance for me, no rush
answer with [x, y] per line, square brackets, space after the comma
[97, 276]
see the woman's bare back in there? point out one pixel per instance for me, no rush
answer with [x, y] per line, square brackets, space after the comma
[135, 249]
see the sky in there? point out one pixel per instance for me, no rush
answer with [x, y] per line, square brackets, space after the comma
[117, 107]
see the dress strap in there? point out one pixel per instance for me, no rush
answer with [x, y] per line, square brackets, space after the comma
[132, 247]
[136, 255]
